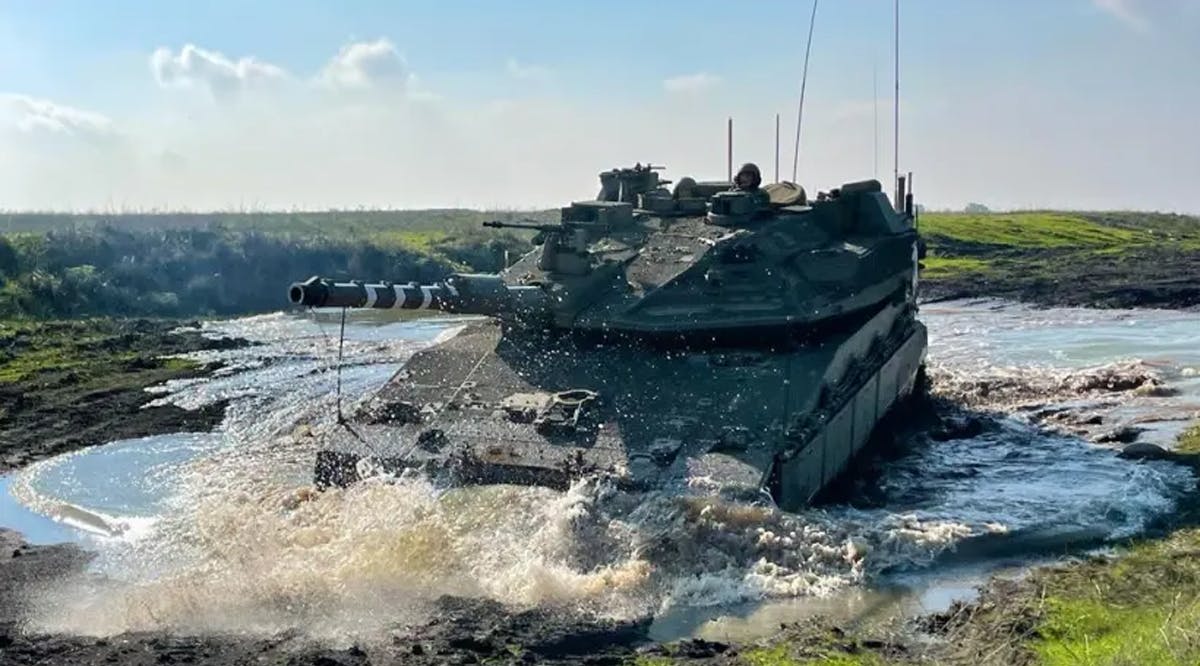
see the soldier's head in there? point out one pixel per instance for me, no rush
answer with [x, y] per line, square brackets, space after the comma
[748, 177]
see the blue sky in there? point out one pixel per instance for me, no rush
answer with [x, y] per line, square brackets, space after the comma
[1014, 103]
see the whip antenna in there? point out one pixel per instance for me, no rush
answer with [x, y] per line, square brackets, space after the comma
[875, 118]
[729, 149]
[803, 84]
[896, 111]
[777, 147]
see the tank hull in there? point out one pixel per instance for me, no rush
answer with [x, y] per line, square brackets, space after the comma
[490, 406]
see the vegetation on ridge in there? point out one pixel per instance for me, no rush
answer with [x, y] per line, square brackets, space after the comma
[56, 266]
[1027, 230]
[1123, 259]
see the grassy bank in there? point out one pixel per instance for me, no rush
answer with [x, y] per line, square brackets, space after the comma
[70, 384]
[1120, 259]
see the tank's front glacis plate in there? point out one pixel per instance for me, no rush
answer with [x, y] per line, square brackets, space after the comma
[547, 409]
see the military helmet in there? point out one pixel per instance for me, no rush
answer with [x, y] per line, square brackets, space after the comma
[749, 169]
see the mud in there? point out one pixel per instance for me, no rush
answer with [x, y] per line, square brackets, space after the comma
[1068, 401]
[999, 388]
[91, 387]
[1138, 277]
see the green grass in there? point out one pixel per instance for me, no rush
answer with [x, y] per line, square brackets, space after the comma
[1091, 631]
[327, 224]
[420, 240]
[1029, 230]
[936, 267]
[803, 644]
[1143, 608]
[1114, 259]
[776, 655]
[653, 661]
[848, 660]
[30, 363]
[781, 655]
[86, 348]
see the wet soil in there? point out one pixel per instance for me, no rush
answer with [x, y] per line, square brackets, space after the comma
[1159, 276]
[70, 385]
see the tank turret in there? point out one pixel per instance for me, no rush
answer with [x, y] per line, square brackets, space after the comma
[764, 259]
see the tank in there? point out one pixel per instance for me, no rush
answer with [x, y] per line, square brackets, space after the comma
[702, 338]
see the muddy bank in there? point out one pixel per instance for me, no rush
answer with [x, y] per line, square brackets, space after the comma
[1138, 277]
[1117, 259]
[69, 385]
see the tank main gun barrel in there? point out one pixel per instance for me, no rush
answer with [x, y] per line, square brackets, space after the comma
[321, 293]
[459, 293]
[556, 227]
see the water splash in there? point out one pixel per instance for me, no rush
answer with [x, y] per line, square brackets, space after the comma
[240, 541]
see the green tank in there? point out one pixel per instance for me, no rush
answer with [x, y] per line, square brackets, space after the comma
[703, 338]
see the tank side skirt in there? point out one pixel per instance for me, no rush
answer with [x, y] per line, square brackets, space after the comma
[845, 432]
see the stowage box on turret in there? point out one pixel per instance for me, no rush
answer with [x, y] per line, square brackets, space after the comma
[740, 340]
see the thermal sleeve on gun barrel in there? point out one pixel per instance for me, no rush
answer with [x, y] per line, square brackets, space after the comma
[458, 293]
[325, 294]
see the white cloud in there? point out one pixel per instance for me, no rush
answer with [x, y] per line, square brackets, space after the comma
[223, 77]
[1129, 12]
[31, 114]
[335, 137]
[364, 65]
[518, 70]
[691, 83]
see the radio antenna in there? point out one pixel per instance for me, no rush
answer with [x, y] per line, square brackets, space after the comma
[875, 118]
[729, 149]
[803, 84]
[896, 107]
[777, 147]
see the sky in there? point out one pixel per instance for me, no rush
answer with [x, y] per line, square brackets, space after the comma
[146, 105]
